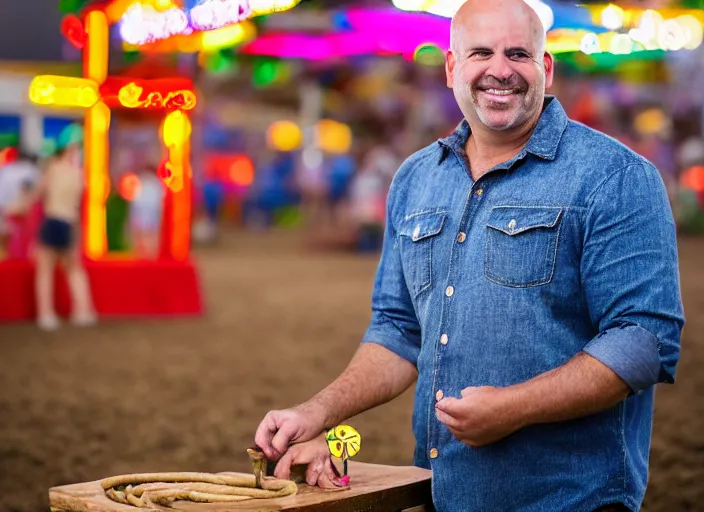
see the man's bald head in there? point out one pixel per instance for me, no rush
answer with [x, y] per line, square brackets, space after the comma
[471, 13]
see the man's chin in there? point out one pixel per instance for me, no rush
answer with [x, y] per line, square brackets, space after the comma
[498, 122]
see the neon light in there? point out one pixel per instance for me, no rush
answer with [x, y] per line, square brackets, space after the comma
[212, 14]
[72, 29]
[96, 92]
[169, 94]
[142, 24]
[97, 179]
[63, 91]
[181, 215]
[176, 132]
[177, 129]
[227, 36]
[95, 56]
[129, 96]
[263, 7]
[200, 41]
[115, 10]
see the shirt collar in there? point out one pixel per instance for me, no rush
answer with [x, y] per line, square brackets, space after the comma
[543, 142]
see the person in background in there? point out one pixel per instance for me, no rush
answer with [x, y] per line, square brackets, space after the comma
[368, 196]
[13, 177]
[61, 192]
[146, 211]
[21, 220]
[341, 170]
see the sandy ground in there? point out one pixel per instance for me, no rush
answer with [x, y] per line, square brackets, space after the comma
[133, 396]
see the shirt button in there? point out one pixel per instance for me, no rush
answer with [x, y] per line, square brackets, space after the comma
[439, 395]
[433, 453]
[449, 291]
[479, 192]
[461, 237]
[443, 339]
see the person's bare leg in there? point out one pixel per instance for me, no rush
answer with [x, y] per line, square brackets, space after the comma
[82, 311]
[45, 260]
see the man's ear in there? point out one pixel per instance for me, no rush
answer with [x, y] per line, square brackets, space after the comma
[549, 63]
[449, 67]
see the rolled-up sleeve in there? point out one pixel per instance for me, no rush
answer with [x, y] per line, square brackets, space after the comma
[630, 276]
[394, 324]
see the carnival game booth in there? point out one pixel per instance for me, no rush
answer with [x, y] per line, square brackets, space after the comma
[123, 285]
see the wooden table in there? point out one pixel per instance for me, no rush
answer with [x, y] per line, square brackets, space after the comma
[373, 488]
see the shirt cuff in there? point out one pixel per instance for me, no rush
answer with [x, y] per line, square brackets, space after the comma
[383, 332]
[631, 352]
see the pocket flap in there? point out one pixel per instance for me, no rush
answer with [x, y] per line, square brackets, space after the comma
[513, 220]
[418, 226]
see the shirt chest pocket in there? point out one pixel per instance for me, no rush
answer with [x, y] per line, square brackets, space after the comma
[417, 235]
[521, 245]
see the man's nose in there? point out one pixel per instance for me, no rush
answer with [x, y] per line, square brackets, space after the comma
[500, 67]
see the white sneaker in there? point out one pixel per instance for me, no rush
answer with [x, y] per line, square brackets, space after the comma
[88, 320]
[48, 323]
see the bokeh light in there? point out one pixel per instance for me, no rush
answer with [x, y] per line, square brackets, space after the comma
[241, 171]
[692, 29]
[650, 121]
[429, 54]
[333, 136]
[129, 186]
[612, 17]
[284, 136]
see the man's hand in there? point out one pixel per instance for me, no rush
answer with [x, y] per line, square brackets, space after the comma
[320, 471]
[482, 416]
[279, 429]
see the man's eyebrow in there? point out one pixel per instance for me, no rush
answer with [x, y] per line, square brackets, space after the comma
[478, 49]
[517, 49]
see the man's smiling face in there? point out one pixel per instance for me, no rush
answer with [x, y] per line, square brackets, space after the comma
[497, 65]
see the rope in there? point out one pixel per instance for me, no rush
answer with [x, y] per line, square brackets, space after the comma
[158, 490]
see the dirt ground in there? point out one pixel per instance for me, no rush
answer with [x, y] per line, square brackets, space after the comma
[187, 394]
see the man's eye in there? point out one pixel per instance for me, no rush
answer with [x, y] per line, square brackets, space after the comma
[481, 54]
[519, 55]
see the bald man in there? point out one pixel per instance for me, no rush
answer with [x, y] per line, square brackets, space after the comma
[528, 282]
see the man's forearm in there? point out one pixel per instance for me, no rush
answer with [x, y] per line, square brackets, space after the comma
[374, 376]
[580, 387]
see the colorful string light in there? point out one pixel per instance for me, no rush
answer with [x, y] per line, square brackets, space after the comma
[212, 14]
[144, 23]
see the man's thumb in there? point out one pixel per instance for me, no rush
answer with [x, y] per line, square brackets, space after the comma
[448, 405]
[468, 391]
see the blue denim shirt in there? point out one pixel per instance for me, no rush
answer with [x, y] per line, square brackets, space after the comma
[570, 246]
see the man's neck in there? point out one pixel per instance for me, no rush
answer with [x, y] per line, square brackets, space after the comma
[488, 148]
